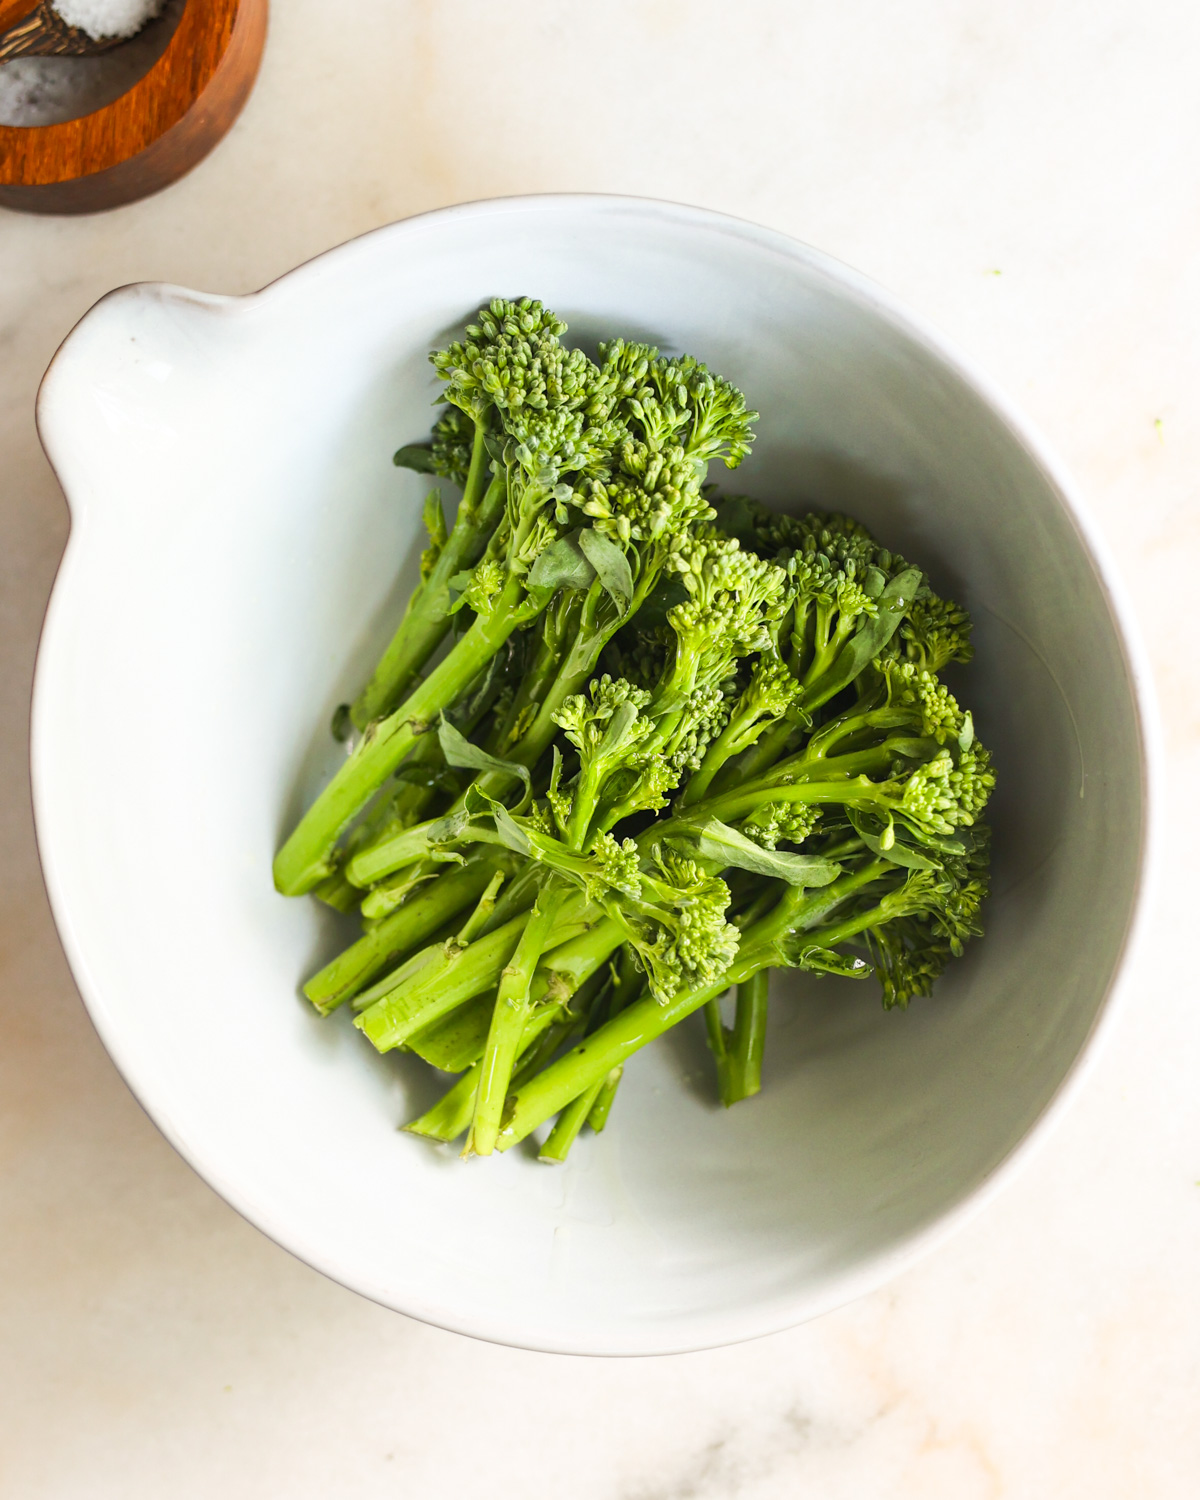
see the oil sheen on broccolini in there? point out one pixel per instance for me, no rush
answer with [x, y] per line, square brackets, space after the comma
[632, 745]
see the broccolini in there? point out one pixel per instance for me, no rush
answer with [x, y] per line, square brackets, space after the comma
[676, 741]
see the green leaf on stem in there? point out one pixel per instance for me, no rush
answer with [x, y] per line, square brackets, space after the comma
[509, 831]
[871, 637]
[897, 852]
[562, 565]
[463, 755]
[798, 954]
[456, 588]
[717, 841]
[415, 456]
[611, 565]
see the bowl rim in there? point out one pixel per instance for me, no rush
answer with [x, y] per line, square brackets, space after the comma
[881, 1267]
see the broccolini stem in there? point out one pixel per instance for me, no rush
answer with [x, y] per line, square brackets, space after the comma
[397, 848]
[574, 961]
[618, 1039]
[572, 677]
[569, 1123]
[734, 805]
[404, 804]
[828, 644]
[438, 986]
[761, 757]
[841, 932]
[509, 1019]
[427, 618]
[409, 803]
[559, 626]
[561, 1025]
[730, 742]
[516, 897]
[871, 758]
[451, 1115]
[449, 978]
[717, 1035]
[308, 854]
[596, 1057]
[602, 1106]
[574, 669]
[846, 725]
[389, 894]
[741, 1073]
[402, 932]
[336, 891]
[407, 847]
[478, 922]
[629, 985]
[764, 782]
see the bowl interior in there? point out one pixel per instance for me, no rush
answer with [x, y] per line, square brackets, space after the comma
[240, 546]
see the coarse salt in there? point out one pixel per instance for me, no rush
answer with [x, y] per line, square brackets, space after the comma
[104, 19]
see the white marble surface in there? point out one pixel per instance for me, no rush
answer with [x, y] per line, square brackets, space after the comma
[1026, 176]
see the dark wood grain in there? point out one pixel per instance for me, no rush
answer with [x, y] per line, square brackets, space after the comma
[150, 136]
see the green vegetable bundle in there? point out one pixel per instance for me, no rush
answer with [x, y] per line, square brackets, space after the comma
[675, 741]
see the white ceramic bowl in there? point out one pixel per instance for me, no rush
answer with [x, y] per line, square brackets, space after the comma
[239, 547]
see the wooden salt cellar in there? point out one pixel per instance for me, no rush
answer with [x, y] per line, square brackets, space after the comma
[151, 135]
